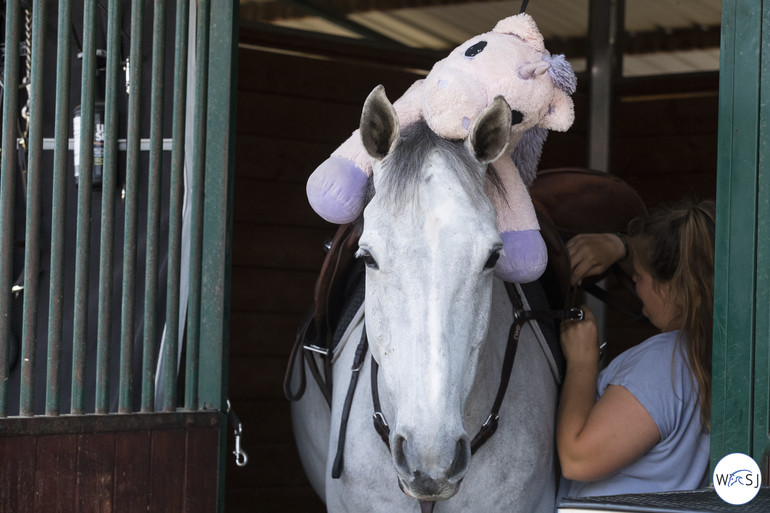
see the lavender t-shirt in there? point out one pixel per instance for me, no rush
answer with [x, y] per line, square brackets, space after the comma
[656, 373]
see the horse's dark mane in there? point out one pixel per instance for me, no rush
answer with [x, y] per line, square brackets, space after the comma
[404, 164]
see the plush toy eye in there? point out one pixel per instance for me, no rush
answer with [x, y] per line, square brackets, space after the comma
[516, 117]
[368, 259]
[492, 260]
[476, 49]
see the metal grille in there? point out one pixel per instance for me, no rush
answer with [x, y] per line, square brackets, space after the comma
[99, 285]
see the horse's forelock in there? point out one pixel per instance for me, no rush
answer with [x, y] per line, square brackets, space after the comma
[403, 168]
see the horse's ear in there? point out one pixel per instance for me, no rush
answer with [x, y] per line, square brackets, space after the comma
[491, 133]
[379, 124]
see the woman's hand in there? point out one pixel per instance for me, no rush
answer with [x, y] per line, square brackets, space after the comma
[593, 253]
[579, 340]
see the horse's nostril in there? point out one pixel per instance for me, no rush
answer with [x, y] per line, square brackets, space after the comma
[461, 461]
[399, 456]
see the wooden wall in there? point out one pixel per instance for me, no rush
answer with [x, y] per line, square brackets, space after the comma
[127, 463]
[298, 99]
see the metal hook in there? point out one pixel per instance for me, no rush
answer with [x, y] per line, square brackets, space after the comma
[241, 458]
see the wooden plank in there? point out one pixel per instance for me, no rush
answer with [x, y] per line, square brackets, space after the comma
[263, 420]
[312, 77]
[671, 188]
[86, 424]
[201, 470]
[664, 155]
[280, 467]
[17, 471]
[671, 116]
[263, 334]
[272, 158]
[95, 473]
[132, 472]
[167, 464]
[277, 203]
[286, 499]
[56, 473]
[298, 118]
[272, 290]
[335, 47]
[280, 247]
[253, 378]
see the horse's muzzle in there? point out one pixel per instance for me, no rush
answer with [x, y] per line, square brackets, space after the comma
[423, 483]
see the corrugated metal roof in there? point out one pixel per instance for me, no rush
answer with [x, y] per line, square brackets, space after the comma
[673, 36]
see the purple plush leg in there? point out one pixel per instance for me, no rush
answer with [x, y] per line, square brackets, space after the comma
[336, 190]
[524, 256]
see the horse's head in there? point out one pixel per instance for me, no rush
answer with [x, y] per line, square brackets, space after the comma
[430, 243]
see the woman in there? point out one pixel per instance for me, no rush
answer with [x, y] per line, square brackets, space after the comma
[641, 425]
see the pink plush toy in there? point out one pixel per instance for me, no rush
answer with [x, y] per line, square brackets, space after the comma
[511, 61]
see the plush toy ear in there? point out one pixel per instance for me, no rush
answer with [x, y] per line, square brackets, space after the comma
[561, 113]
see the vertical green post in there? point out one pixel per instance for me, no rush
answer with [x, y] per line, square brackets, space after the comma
[175, 206]
[761, 439]
[153, 207]
[83, 233]
[33, 214]
[740, 353]
[217, 223]
[7, 190]
[203, 17]
[58, 206]
[109, 179]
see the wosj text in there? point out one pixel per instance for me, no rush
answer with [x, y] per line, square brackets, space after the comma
[738, 478]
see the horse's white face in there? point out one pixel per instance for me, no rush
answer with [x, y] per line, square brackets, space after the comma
[430, 261]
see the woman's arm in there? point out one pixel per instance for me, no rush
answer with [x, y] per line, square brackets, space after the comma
[596, 438]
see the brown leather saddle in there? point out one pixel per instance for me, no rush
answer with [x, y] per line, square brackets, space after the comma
[575, 200]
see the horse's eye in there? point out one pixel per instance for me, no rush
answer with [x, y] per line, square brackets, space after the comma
[476, 49]
[368, 259]
[492, 260]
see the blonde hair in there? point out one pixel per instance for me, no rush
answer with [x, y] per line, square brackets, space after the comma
[675, 244]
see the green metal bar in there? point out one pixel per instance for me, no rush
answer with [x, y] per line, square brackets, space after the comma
[736, 264]
[7, 190]
[58, 207]
[220, 150]
[153, 207]
[176, 202]
[196, 194]
[33, 214]
[80, 317]
[761, 441]
[130, 223]
[109, 177]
